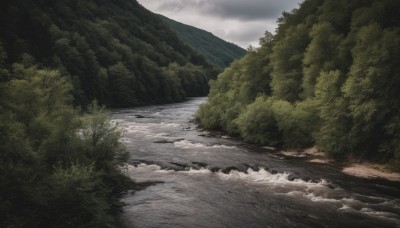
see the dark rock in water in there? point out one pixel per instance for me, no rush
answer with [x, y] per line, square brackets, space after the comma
[184, 166]
[253, 167]
[164, 141]
[168, 141]
[331, 186]
[314, 180]
[242, 168]
[138, 161]
[227, 170]
[201, 164]
[207, 135]
[306, 179]
[272, 171]
[293, 176]
[215, 169]
[140, 116]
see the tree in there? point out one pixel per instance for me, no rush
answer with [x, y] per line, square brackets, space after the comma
[72, 161]
[371, 88]
[333, 133]
[4, 74]
[286, 60]
[257, 124]
[267, 38]
[123, 84]
[320, 55]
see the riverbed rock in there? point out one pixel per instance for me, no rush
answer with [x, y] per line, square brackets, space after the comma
[200, 164]
[215, 169]
[293, 176]
[253, 167]
[164, 141]
[168, 141]
[181, 167]
[227, 170]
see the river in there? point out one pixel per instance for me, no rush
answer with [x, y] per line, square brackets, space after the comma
[203, 180]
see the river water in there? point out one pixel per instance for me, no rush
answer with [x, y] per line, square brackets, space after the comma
[203, 180]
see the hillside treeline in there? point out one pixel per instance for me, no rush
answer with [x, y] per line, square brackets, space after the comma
[116, 52]
[215, 50]
[59, 164]
[329, 77]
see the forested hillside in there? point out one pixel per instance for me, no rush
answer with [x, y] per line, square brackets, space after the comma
[60, 163]
[217, 51]
[114, 51]
[329, 77]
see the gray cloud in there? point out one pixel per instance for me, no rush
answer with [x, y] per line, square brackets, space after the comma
[239, 9]
[249, 10]
[239, 21]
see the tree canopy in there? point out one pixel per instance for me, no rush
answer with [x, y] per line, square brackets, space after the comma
[57, 167]
[329, 77]
[116, 52]
[214, 49]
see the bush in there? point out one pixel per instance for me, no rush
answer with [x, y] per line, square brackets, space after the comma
[57, 168]
[257, 124]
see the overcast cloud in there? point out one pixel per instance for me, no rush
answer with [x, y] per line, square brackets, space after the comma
[242, 22]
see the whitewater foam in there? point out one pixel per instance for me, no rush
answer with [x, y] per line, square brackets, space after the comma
[197, 171]
[385, 215]
[170, 124]
[142, 167]
[186, 144]
[351, 205]
[262, 176]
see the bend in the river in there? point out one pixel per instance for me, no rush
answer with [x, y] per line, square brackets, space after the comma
[206, 181]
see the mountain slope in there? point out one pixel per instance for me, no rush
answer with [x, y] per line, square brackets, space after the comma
[114, 51]
[216, 50]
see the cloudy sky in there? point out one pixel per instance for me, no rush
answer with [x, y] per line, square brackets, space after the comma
[242, 22]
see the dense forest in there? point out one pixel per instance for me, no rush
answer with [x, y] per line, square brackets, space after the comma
[329, 77]
[116, 52]
[59, 151]
[217, 51]
[58, 167]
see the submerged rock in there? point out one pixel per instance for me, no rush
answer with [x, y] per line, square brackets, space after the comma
[201, 164]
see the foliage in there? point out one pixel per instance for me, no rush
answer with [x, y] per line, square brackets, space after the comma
[215, 50]
[330, 77]
[116, 52]
[258, 123]
[57, 168]
[235, 88]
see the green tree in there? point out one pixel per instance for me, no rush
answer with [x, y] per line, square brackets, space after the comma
[123, 83]
[286, 59]
[4, 74]
[320, 55]
[100, 139]
[72, 161]
[371, 88]
[333, 134]
[257, 124]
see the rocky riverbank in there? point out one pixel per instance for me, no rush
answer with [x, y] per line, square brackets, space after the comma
[357, 168]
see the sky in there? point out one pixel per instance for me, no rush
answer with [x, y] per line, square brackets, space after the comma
[241, 22]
